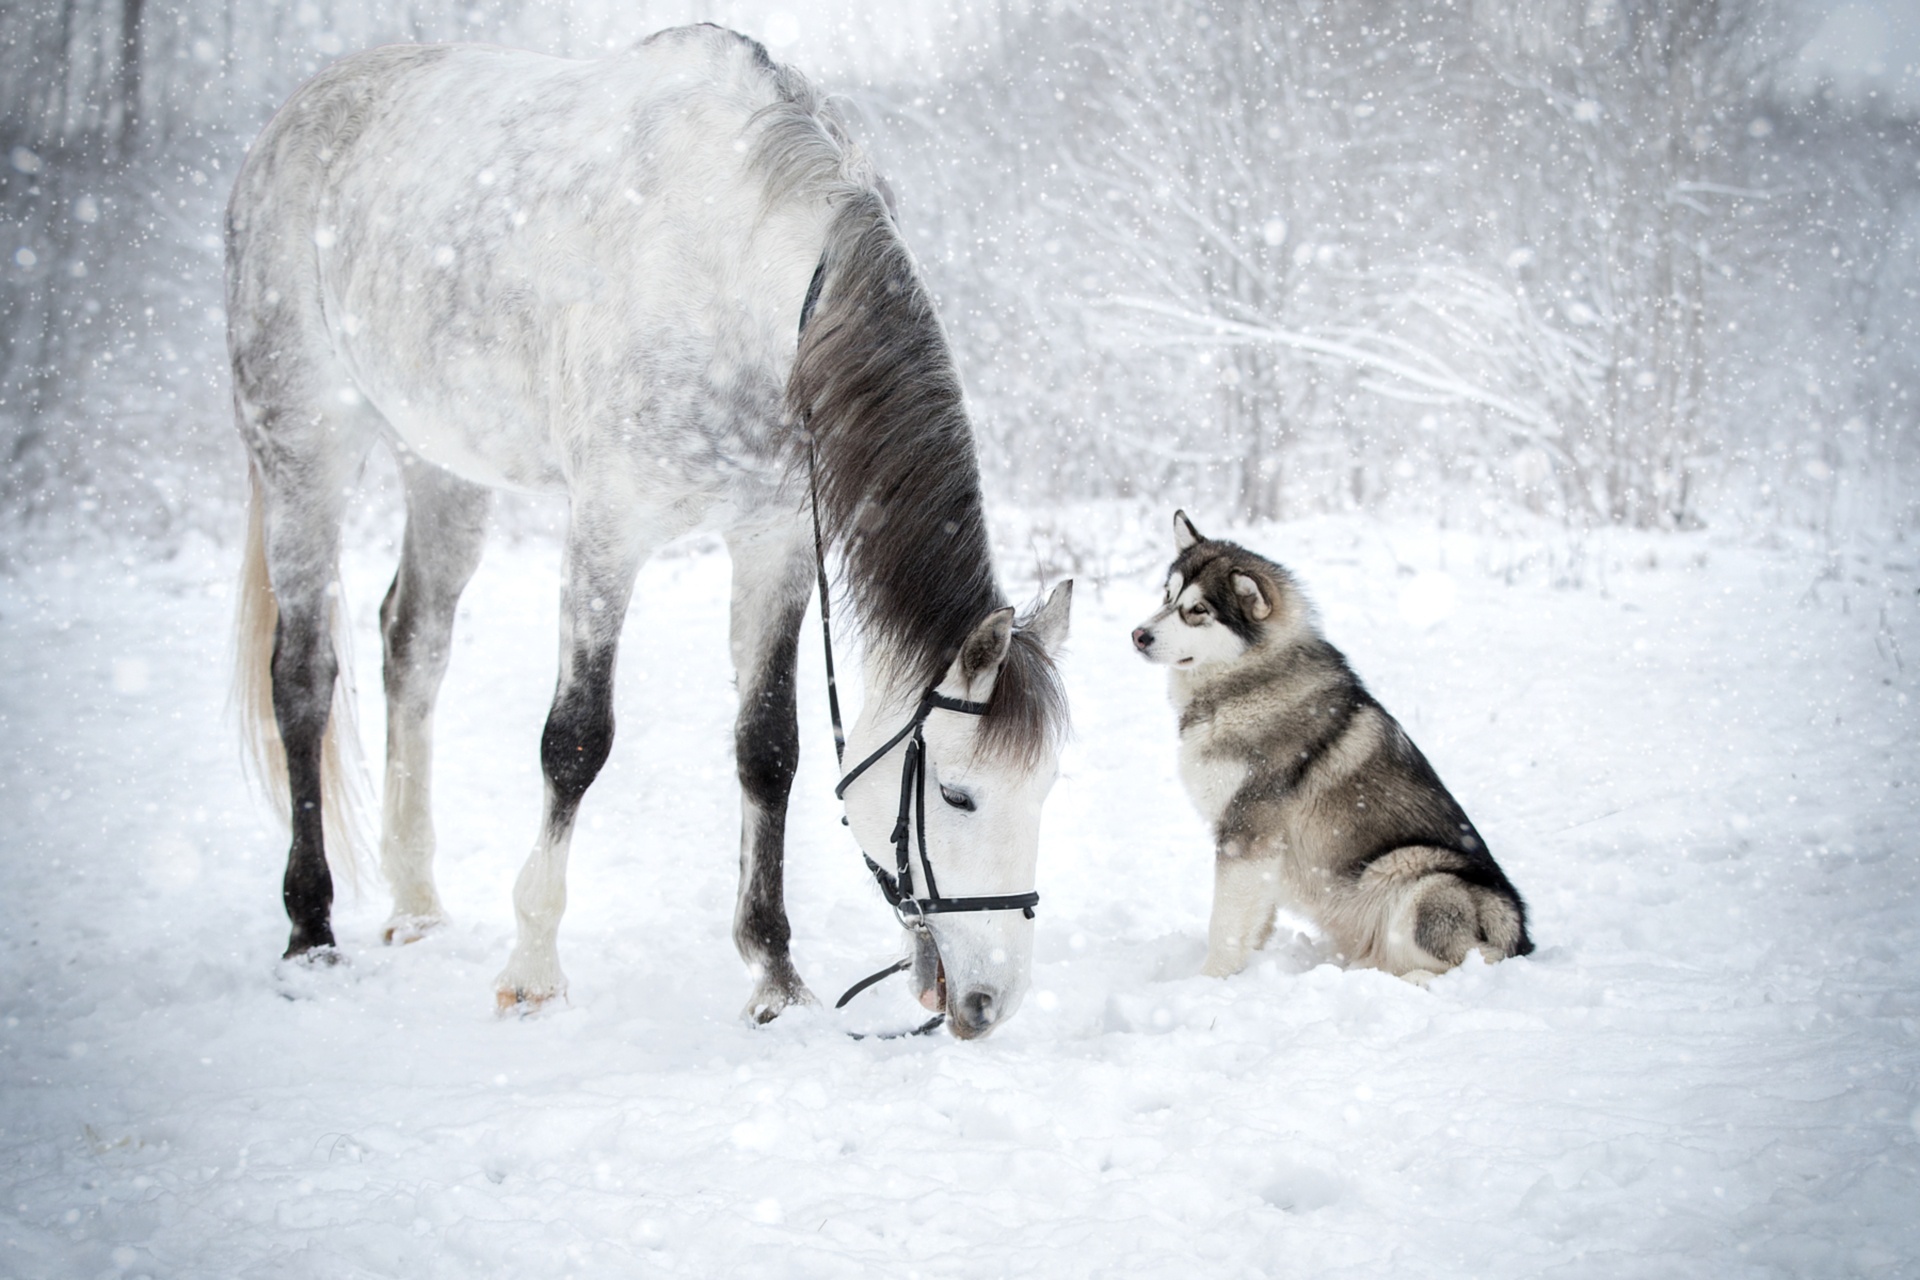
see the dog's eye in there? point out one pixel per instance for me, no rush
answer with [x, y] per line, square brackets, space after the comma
[1196, 613]
[956, 797]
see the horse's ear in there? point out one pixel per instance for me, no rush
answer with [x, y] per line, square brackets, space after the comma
[1048, 625]
[974, 672]
[1184, 534]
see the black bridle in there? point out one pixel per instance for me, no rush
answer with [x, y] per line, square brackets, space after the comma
[911, 908]
[910, 820]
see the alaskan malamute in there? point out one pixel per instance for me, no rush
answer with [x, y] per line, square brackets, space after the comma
[1318, 799]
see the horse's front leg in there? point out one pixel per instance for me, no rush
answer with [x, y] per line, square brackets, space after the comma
[446, 528]
[772, 572]
[601, 564]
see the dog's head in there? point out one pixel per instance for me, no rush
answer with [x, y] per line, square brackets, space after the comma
[1222, 600]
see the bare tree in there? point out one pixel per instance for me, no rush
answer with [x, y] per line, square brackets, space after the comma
[1629, 108]
[1577, 256]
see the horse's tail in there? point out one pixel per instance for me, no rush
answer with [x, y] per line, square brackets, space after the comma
[343, 779]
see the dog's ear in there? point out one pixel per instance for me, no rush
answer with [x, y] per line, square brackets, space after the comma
[1184, 534]
[1252, 598]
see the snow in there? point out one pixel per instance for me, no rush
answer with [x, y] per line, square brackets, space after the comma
[1695, 758]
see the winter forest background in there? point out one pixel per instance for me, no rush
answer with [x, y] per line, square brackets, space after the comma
[1652, 263]
[1571, 360]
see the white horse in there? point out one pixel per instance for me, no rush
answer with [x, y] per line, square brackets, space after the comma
[655, 283]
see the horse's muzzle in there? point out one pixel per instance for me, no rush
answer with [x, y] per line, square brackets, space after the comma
[974, 1014]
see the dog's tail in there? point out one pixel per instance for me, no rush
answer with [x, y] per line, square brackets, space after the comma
[344, 787]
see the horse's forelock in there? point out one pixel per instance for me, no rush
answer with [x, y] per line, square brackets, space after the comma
[1027, 714]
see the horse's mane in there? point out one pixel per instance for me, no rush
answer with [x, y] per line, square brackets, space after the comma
[875, 396]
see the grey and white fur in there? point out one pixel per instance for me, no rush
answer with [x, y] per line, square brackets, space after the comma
[587, 279]
[1318, 800]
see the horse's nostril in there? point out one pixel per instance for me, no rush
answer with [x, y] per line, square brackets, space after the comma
[976, 1011]
[1142, 639]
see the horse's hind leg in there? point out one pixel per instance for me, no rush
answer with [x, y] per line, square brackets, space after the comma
[303, 460]
[304, 669]
[446, 530]
[772, 571]
[603, 556]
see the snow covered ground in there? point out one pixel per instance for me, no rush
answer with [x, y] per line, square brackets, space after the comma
[1698, 763]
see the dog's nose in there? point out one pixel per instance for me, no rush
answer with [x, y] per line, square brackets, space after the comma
[1142, 639]
[973, 1014]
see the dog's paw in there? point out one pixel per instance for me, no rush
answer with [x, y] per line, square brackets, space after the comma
[1223, 965]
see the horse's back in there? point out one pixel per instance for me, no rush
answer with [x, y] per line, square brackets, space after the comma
[510, 255]
[418, 111]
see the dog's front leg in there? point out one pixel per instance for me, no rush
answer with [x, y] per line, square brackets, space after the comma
[1246, 892]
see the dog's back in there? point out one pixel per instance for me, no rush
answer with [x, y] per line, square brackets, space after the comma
[1317, 797]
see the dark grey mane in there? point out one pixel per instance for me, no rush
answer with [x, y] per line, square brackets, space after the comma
[875, 393]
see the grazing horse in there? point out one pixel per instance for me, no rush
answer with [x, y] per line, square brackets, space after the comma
[667, 286]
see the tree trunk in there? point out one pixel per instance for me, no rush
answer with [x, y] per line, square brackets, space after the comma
[127, 89]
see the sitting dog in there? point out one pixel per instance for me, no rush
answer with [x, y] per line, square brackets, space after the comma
[1319, 801]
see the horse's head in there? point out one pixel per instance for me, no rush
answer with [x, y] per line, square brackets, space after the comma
[987, 776]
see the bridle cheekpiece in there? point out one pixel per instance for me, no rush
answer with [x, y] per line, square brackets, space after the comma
[910, 824]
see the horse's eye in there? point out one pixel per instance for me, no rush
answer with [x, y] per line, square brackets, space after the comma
[956, 797]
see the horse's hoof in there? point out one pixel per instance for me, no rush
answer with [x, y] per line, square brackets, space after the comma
[521, 1003]
[404, 930]
[324, 956]
[771, 999]
[298, 975]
